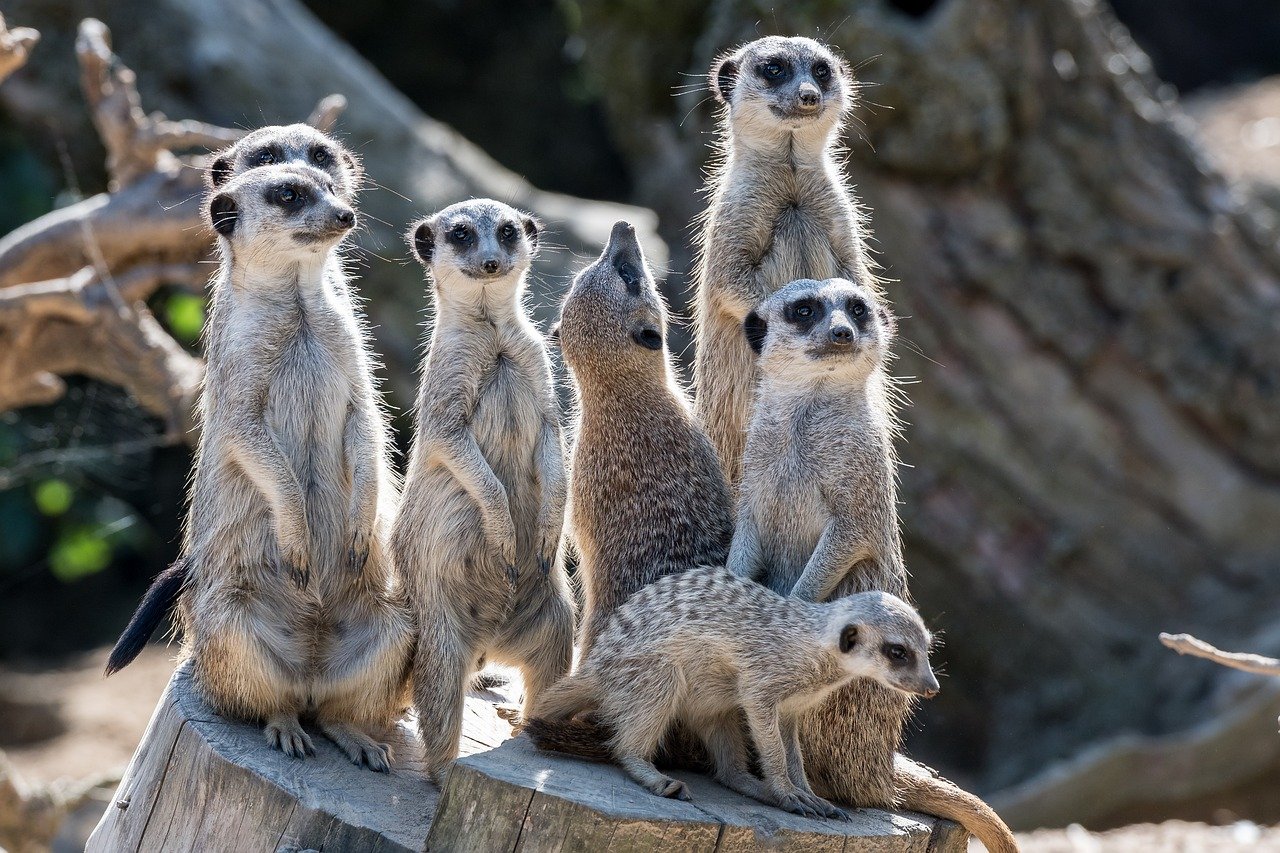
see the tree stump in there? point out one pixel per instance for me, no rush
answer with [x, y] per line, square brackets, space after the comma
[199, 781]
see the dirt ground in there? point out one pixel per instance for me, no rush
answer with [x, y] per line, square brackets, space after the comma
[69, 723]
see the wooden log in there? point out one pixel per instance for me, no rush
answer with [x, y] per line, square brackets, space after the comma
[199, 781]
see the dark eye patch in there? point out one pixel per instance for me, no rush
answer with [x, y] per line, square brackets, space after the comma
[287, 197]
[804, 313]
[460, 235]
[822, 73]
[267, 156]
[898, 654]
[321, 156]
[508, 233]
[630, 277]
[774, 71]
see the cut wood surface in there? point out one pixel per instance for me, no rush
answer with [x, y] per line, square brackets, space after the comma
[199, 781]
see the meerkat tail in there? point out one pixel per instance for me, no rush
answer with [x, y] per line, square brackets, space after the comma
[585, 739]
[157, 601]
[922, 790]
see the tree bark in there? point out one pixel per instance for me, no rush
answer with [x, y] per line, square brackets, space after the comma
[1089, 323]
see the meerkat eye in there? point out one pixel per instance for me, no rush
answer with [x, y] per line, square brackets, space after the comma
[897, 652]
[286, 195]
[507, 232]
[265, 157]
[459, 233]
[857, 307]
[321, 157]
[772, 70]
[804, 309]
[821, 71]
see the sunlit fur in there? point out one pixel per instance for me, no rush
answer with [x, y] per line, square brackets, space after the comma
[478, 535]
[647, 497]
[817, 520]
[292, 608]
[779, 209]
[707, 650]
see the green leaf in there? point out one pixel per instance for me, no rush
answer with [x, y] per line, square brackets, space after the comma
[53, 497]
[78, 553]
[184, 314]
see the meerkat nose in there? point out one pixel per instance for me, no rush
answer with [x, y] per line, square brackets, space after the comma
[841, 335]
[809, 95]
[490, 265]
[345, 216]
[622, 230]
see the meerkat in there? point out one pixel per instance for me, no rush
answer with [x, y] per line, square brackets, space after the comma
[477, 539]
[817, 520]
[705, 647]
[646, 494]
[287, 601]
[779, 209]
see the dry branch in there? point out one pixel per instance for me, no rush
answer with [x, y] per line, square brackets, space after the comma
[73, 283]
[15, 47]
[30, 815]
[1185, 644]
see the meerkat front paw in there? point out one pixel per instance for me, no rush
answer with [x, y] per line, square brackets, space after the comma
[672, 789]
[358, 550]
[295, 560]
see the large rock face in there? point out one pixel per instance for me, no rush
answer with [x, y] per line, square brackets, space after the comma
[1089, 327]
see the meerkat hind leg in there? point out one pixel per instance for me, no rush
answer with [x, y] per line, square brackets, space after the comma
[729, 758]
[641, 712]
[284, 732]
[363, 750]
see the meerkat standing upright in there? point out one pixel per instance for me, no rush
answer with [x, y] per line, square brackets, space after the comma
[477, 539]
[817, 520]
[287, 601]
[647, 497]
[779, 210]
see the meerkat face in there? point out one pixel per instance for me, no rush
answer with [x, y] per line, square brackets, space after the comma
[475, 246]
[791, 83]
[880, 636]
[813, 327]
[283, 212]
[297, 144]
[614, 309]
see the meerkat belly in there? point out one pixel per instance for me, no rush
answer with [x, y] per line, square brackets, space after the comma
[797, 512]
[306, 412]
[800, 248]
[506, 423]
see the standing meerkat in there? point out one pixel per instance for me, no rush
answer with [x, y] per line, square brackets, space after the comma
[647, 497]
[706, 648]
[779, 209]
[817, 520]
[287, 601]
[477, 539]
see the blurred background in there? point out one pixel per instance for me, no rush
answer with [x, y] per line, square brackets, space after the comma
[1074, 203]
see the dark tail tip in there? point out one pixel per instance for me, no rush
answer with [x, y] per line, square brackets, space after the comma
[155, 604]
[579, 738]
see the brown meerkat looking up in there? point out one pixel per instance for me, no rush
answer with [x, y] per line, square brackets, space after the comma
[779, 209]
[647, 497]
[288, 604]
[817, 520]
[704, 648]
[478, 536]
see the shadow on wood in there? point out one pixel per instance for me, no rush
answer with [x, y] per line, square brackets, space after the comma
[199, 781]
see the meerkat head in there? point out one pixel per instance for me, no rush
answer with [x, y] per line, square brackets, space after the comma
[881, 637]
[474, 248]
[814, 328]
[297, 144]
[279, 214]
[614, 314]
[776, 83]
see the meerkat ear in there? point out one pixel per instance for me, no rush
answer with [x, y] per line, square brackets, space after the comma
[223, 214]
[756, 328]
[724, 76]
[423, 242]
[848, 638]
[532, 228]
[219, 172]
